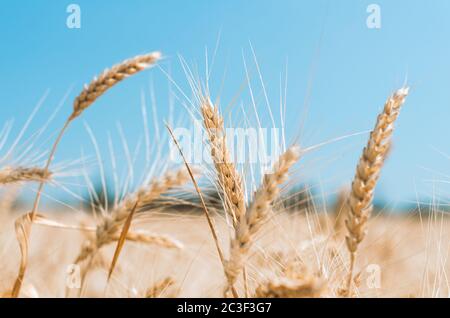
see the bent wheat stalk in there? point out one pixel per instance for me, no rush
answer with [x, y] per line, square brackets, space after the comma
[367, 174]
[90, 93]
[257, 212]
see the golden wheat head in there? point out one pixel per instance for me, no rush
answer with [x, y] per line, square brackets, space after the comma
[367, 174]
[229, 178]
[21, 174]
[111, 77]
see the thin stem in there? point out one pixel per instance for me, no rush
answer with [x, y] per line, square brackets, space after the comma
[22, 269]
[350, 274]
[205, 209]
[244, 274]
[47, 166]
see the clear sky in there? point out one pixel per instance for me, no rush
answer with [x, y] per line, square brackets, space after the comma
[338, 67]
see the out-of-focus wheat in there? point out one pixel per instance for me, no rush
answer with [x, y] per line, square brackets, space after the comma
[109, 229]
[340, 212]
[282, 287]
[89, 94]
[160, 288]
[295, 281]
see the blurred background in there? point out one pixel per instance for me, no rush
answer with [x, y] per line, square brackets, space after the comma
[329, 62]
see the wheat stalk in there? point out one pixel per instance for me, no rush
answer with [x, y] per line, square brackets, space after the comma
[20, 174]
[340, 212]
[367, 174]
[228, 177]
[257, 212]
[205, 208]
[89, 94]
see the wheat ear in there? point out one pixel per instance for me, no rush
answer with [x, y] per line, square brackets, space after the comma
[111, 77]
[229, 178]
[19, 174]
[367, 174]
[258, 211]
[89, 94]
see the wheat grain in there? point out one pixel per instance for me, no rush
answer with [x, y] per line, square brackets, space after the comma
[21, 174]
[367, 174]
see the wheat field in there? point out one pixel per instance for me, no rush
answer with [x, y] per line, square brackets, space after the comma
[212, 229]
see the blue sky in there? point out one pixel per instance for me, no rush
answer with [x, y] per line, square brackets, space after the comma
[339, 68]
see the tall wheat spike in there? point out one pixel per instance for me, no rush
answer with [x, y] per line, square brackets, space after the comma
[90, 93]
[367, 174]
[230, 181]
[246, 221]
